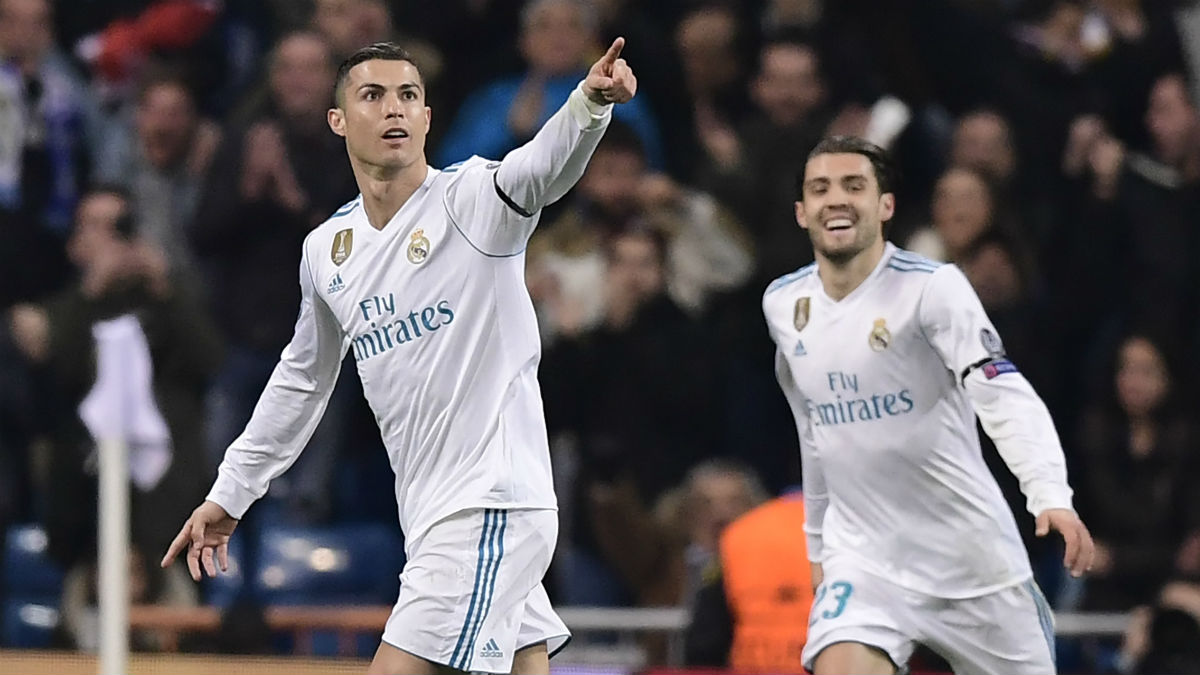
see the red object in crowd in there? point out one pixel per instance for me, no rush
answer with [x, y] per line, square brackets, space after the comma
[169, 24]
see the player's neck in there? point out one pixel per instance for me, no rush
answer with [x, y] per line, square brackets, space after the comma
[385, 192]
[840, 278]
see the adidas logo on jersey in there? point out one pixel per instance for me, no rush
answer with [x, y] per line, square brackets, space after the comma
[491, 650]
[336, 284]
[799, 350]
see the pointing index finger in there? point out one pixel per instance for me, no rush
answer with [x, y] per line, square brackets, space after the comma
[178, 545]
[614, 51]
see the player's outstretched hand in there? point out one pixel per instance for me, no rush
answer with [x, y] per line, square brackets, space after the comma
[1080, 548]
[611, 80]
[207, 530]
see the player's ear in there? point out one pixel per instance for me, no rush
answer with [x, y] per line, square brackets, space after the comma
[428, 117]
[887, 206]
[337, 121]
[800, 215]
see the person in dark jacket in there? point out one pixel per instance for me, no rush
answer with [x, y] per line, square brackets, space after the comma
[125, 353]
[1138, 454]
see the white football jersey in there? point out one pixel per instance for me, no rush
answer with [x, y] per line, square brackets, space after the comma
[885, 385]
[435, 311]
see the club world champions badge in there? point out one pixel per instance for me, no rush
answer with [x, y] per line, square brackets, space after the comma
[800, 314]
[418, 248]
[343, 244]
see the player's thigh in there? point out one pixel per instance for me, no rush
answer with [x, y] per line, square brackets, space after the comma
[855, 614]
[1009, 632]
[532, 660]
[391, 660]
[464, 589]
[853, 658]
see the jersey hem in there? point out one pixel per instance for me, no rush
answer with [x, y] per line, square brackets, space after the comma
[871, 568]
[460, 508]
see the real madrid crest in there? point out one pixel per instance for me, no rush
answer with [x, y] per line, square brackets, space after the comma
[800, 314]
[880, 336]
[418, 248]
[343, 244]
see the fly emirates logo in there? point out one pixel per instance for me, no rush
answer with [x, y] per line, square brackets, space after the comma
[849, 406]
[390, 329]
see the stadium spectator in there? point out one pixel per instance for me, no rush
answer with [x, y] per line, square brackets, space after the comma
[637, 394]
[46, 113]
[755, 174]
[962, 210]
[1139, 444]
[707, 251]
[715, 493]
[268, 186]
[557, 39]
[710, 44]
[1133, 206]
[124, 354]
[162, 164]
[1163, 638]
[751, 615]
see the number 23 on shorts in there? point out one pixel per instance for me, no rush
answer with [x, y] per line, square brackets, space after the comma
[841, 595]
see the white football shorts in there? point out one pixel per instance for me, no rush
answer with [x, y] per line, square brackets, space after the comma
[1006, 632]
[471, 593]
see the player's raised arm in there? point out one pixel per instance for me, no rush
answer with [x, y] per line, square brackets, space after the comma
[1009, 409]
[284, 419]
[542, 170]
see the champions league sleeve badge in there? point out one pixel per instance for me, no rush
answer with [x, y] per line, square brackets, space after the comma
[418, 248]
[880, 336]
[991, 342]
[343, 243]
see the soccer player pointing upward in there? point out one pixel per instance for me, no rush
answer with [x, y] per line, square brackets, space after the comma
[886, 358]
[422, 277]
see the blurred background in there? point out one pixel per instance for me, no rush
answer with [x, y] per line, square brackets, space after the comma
[162, 160]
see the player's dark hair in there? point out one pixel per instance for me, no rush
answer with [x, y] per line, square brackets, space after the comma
[380, 51]
[881, 161]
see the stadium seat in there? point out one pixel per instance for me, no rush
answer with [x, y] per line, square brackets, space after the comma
[28, 624]
[32, 587]
[28, 571]
[347, 564]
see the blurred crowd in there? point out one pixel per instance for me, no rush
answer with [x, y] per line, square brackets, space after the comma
[162, 160]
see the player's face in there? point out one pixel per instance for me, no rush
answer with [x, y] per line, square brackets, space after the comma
[843, 209]
[383, 115]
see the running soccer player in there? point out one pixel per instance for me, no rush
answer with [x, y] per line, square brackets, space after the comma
[886, 358]
[422, 277]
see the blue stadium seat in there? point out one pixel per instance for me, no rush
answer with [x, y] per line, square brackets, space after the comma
[28, 624]
[347, 564]
[28, 571]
